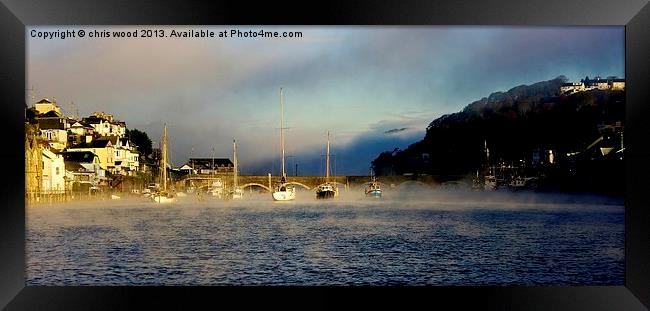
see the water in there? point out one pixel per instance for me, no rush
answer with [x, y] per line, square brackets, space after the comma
[438, 241]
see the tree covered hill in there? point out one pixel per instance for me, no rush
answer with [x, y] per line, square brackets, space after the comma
[514, 124]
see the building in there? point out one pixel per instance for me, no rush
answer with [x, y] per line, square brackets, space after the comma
[101, 147]
[572, 87]
[54, 131]
[54, 181]
[84, 169]
[209, 166]
[618, 84]
[44, 106]
[79, 132]
[609, 84]
[105, 125]
[116, 155]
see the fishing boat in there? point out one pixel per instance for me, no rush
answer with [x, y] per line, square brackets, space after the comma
[328, 189]
[283, 192]
[163, 195]
[373, 190]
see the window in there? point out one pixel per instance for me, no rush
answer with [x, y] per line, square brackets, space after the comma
[57, 170]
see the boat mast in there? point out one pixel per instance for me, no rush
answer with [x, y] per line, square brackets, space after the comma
[164, 157]
[234, 152]
[282, 133]
[327, 165]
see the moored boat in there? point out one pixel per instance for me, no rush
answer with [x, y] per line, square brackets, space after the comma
[328, 189]
[236, 192]
[163, 195]
[373, 190]
[284, 191]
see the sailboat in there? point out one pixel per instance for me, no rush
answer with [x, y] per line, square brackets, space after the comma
[163, 195]
[283, 192]
[374, 189]
[237, 193]
[328, 189]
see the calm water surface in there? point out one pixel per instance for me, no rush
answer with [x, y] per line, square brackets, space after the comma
[352, 241]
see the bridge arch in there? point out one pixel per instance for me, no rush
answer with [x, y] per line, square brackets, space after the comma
[253, 184]
[297, 184]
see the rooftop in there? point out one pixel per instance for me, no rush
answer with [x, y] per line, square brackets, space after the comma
[79, 156]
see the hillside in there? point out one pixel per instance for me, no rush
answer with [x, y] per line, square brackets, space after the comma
[516, 124]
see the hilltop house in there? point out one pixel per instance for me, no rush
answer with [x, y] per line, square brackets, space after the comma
[612, 84]
[45, 105]
[105, 125]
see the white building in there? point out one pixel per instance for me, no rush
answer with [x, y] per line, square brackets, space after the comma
[53, 172]
[105, 125]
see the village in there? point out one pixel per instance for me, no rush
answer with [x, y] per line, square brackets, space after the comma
[71, 157]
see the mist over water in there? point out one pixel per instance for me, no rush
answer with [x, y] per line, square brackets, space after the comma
[413, 236]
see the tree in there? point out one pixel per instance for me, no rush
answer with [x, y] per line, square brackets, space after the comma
[140, 139]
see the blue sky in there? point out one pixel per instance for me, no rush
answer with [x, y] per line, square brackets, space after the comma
[357, 82]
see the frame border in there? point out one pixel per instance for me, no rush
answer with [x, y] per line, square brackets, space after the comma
[634, 14]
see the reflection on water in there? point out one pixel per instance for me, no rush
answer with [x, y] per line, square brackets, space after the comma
[444, 241]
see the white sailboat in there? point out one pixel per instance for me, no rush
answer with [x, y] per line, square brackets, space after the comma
[163, 196]
[283, 192]
[237, 193]
[328, 189]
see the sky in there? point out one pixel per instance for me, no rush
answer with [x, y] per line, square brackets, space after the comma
[374, 88]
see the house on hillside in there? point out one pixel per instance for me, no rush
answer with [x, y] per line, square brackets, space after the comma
[45, 105]
[80, 131]
[53, 180]
[597, 83]
[85, 170]
[104, 150]
[105, 125]
[54, 131]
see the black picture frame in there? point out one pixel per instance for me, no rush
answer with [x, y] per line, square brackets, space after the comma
[633, 14]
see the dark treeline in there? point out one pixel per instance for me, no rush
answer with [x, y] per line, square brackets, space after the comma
[517, 124]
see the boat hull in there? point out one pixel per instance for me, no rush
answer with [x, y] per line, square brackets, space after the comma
[162, 199]
[373, 194]
[327, 194]
[284, 195]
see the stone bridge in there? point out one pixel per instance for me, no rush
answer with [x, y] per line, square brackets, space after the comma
[262, 183]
